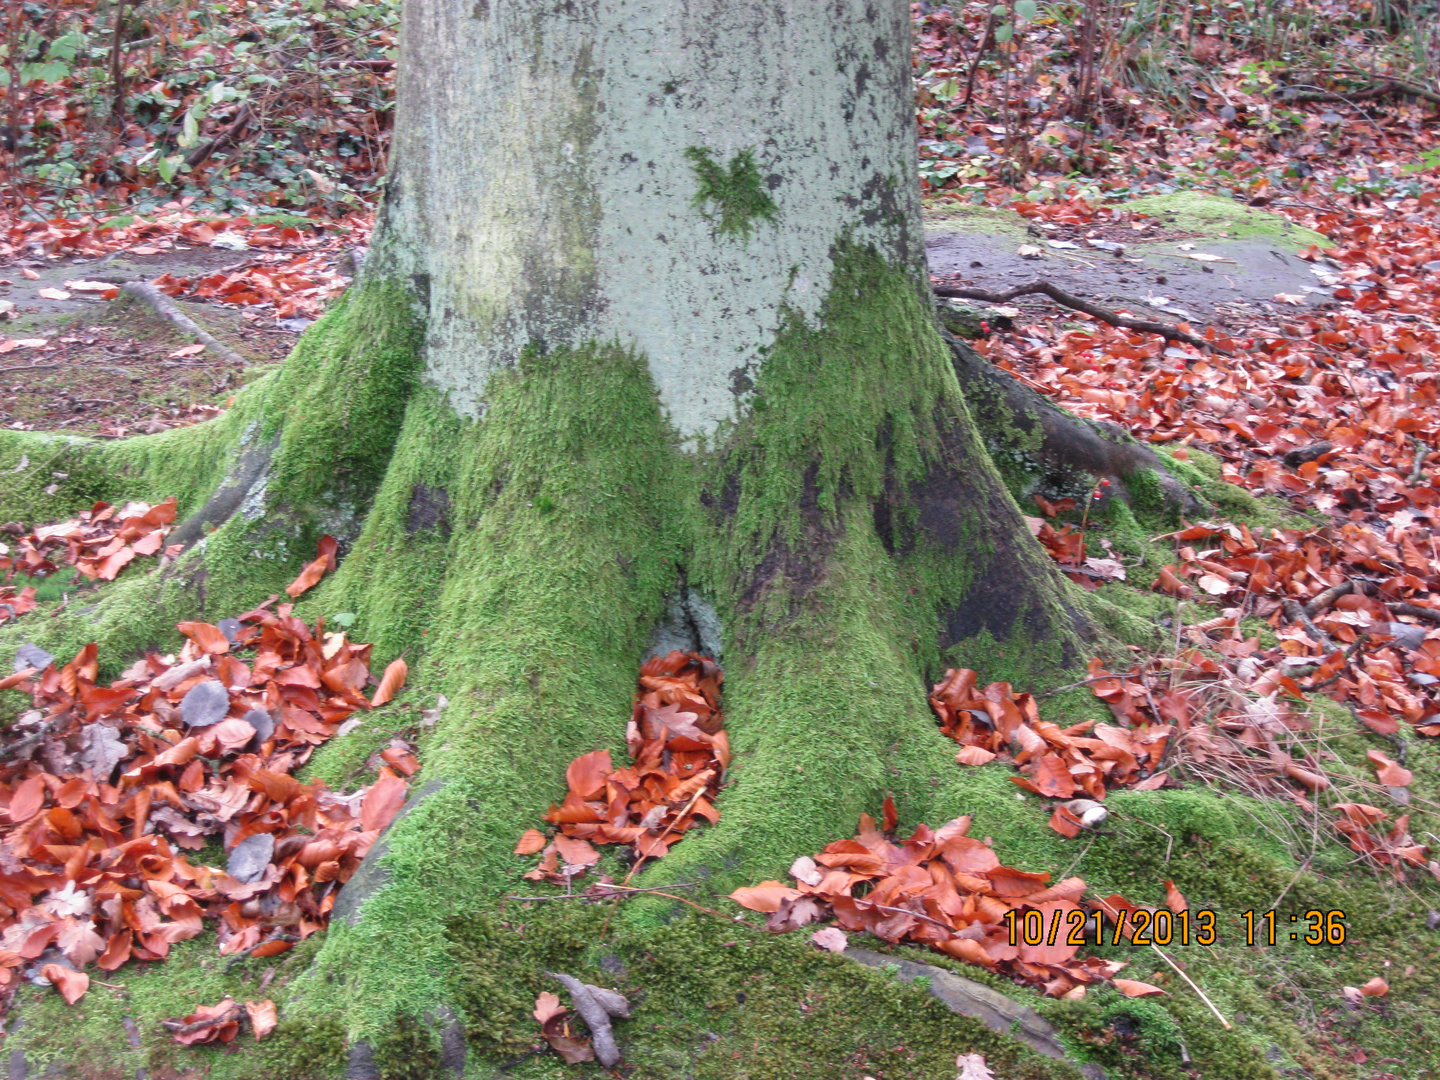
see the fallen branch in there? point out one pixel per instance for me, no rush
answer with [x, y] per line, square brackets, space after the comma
[1295, 613]
[201, 153]
[163, 306]
[1415, 611]
[1383, 88]
[1095, 311]
[1421, 453]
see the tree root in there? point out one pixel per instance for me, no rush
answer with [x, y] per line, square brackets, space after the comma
[163, 306]
[999, 400]
[1095, 311]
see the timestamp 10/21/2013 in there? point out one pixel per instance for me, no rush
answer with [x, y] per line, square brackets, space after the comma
[1142, 927]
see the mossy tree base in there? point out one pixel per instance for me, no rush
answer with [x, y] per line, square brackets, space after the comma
[851, 533]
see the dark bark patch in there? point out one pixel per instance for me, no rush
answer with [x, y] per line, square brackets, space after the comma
[251, 466]
[429, 510]
[800, 566]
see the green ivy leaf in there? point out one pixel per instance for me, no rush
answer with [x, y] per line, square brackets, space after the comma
[1004, 33]
[1027, 10]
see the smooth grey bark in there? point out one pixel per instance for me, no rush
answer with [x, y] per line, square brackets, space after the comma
[541, 194]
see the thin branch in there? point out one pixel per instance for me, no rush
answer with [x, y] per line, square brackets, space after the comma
[1095, 311]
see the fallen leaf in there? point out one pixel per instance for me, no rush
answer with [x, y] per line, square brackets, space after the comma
[315, 570]
[1174, 898]
[1390, 773]
[1135, 988]
[832, 938]
[55, 294]
[974, 755]
[262, 1017]
[188, 350]
[547, 1006]
[390, 682]
[531, 841]
[382, 802]
[973, 1067]
[1376, 987]
[72, 984]
[766, 897]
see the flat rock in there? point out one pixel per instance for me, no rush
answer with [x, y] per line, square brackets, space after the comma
[1253, 262]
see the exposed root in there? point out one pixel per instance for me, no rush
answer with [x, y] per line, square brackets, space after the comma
[1066, 439]
[163, 306]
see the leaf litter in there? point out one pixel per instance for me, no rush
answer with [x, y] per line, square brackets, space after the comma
[106, 789]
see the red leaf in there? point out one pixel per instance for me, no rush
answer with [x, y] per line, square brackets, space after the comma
[72, 984]
[29, 797]
[208, 637]
[262, 1016]
[1135, 988]
[1390, 773]
[587, 774]
[390, 682]
[765, 897]
[382, 802]
[315, 570]
[1174, 898]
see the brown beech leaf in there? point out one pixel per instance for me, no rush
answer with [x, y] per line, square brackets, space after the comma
[531, 841]
[1052, 777]
[547, 1006]
[766, 897]
[208, 637]
[576, 852]
[974, 755]
[587, 774]
[390, 682]
[262, 1017]
[1174, 898]
[832, 938]
[1376, 987]
[72, 984]
[1135, 988]
[315, 570]
[382, 802]
[1390, 773]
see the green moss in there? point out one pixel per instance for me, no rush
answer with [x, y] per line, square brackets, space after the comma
[96, 1036]
[1194, 211]
[339, 400]
[715, 1001]
[392, 577]
[733, 196]
[542, 617]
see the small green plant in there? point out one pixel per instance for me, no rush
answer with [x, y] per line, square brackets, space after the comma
[737, 192]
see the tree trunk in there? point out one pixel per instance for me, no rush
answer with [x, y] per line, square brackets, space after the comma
[646, 322]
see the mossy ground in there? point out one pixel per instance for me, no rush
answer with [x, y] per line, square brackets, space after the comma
[522, 563]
